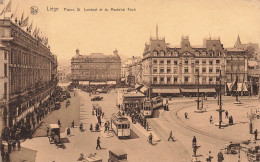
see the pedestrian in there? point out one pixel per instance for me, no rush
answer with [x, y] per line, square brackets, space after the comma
[150, 138]
[91, 127]
[81, 127]
[220, 157]
[108, 125]
[231, 120]
[210, 119]
[98, 143]
[68, 132]
[72, 124]
[186, 115]
[99, 120]
[226, 113]
[194, 141]
[105, 127]
[170, 137]
[14, 145]
[103, 114]
[97, 127]
[208, 159]
[47, 131]
[256, 134]
[59, 123]
[19, 145]
[147, 126]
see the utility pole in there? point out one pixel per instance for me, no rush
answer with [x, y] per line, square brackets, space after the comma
[220, 102]
[198, 99]
[236, 86]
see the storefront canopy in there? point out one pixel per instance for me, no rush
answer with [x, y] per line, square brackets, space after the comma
[138, 86]
[241, 87]
[156, 90]
[143, 89]
[201, 90]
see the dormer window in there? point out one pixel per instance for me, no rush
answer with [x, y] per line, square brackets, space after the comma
[155, 53]
[162, 53]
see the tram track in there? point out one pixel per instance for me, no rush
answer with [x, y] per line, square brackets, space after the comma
[175, 117]
[157, 128]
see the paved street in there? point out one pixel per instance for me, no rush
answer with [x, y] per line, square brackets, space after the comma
[209, 137]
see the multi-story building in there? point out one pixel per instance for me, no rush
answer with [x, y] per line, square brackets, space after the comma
[96, 67]
[174, 67]
[30, 76]
[236, 64]
[63, 73]
[4, 84]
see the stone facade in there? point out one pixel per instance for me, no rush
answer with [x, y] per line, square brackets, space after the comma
[164, 64]
[31, 70]
[96, 67]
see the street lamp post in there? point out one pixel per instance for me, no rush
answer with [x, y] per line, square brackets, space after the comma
[198, 99]
[220, 103]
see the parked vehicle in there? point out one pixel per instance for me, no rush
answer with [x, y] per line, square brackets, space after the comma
[117, 155]
[54, 136]
[97, 98]
[57, 106]
[232, 148]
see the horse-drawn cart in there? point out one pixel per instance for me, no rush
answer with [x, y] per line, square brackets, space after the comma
[54, 136]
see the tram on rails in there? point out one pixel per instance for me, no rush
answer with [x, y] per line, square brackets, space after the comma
[157, 102]
[120, 126]
[150, 105]
[147, 108]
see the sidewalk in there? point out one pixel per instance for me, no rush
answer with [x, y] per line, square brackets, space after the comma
[144, 131]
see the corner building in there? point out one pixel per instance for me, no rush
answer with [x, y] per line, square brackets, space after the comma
[176, 67]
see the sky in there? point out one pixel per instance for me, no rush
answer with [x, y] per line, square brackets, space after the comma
[128, 31]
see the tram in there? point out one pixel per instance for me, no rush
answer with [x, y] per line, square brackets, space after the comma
[147, 108]
[120, 126]
[157, 102]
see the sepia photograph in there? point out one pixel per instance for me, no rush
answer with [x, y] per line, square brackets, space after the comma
[129, 80]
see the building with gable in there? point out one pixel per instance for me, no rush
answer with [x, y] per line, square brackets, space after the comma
[177, 67]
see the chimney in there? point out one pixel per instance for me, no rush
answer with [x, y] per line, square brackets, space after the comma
[77, 51]
[115, 52]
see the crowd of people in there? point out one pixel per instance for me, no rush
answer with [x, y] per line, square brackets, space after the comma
[24, 128]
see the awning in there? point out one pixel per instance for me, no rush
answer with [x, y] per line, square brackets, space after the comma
[201, 90]
[241, 87]
[137, 86]
[244, 87]
[189, 90]
[229, 85]
[143, 89]
[156, 90]
[208, 90]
